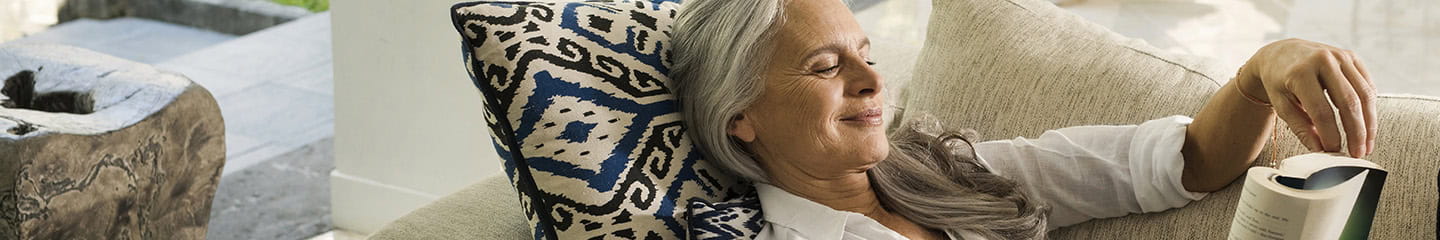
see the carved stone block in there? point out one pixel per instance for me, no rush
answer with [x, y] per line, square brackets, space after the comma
[97, 147]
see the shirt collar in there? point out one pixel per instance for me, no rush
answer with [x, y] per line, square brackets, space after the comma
[808, 218]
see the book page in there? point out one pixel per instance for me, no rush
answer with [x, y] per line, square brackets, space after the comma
[1266, 214]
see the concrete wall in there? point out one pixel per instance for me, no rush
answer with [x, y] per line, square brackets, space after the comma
[409, 126]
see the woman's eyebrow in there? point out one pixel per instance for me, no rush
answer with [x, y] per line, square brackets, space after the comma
[834, 47]
[827, 48]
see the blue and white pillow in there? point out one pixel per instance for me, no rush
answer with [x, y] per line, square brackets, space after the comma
[578, 103]
[738, 218]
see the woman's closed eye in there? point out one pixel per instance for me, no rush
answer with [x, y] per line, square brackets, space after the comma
[836, 67]
[830, 69]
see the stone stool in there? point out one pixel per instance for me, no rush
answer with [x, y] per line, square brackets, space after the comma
[97, 147]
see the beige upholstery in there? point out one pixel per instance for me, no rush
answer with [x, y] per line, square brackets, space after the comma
[1018, 67]
[489, 209]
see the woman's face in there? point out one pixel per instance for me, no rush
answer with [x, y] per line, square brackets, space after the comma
[821, 106]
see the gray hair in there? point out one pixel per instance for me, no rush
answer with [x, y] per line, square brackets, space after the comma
[716, 60]
[932, 175]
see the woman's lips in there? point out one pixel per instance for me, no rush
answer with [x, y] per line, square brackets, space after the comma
[868, 117]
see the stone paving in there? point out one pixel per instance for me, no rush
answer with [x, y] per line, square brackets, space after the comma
[275, 91]
[279, 199]
[140, 40]
[275, 88]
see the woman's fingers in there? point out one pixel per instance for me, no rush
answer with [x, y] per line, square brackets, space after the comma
[1365, 91]
[1371, 115]
[1311, 84]
[1344, 97]
[1361, 66]
[1288, 109]
[1307, 89]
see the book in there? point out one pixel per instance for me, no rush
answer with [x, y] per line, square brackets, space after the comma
[1310, 196]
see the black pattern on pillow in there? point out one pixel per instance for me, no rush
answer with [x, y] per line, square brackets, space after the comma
[738, 218]
[577, 102]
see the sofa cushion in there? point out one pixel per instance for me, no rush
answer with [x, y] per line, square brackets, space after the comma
[1019, 67]
[577, 101]
[485, 210]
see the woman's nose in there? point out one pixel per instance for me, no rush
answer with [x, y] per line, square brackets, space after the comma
[866, 82]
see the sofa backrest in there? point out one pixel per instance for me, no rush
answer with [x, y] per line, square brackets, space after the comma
[1011, 68]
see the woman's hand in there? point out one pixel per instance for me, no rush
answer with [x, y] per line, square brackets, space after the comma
[1302, 80]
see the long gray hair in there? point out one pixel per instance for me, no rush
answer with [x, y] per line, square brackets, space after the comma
[932, 175]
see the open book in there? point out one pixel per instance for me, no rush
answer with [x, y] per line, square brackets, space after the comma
[1311, 196]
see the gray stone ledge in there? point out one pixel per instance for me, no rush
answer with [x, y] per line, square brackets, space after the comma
[238, 17]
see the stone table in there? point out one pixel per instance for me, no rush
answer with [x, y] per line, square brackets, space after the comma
[97, 147]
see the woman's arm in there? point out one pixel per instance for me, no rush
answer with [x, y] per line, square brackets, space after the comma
[1307, 78]
[1091, 172]
[1226, 136]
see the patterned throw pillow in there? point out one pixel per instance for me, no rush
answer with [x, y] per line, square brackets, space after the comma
[578, 104]
[732, 219]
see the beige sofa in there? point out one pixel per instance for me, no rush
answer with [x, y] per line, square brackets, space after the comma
[1018, 67]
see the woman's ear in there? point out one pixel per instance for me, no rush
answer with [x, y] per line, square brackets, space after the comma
[743, 128]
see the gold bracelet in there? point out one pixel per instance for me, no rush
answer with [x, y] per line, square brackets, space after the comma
[1238, 75]
[1248, 97]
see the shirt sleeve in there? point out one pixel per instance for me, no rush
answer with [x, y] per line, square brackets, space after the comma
[1092, 172]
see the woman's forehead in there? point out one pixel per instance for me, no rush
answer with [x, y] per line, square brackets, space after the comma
[814, 25]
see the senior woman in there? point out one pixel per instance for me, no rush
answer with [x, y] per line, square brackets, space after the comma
[781, 93]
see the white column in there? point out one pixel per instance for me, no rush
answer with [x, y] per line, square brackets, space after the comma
[408, 122]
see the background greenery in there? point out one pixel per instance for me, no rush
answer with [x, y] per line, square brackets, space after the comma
[312, 5]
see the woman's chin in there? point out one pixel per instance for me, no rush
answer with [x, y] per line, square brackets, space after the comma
[874, 147]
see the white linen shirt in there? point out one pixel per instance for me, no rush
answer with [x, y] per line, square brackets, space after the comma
[1082, 173]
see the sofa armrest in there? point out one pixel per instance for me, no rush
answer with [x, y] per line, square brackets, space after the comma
[489, 209]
